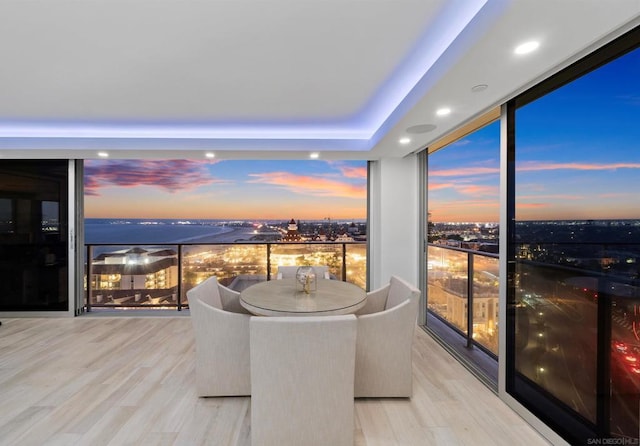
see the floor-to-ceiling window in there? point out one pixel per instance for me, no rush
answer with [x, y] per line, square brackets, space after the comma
[574, 287]
[155, 228]
[33, 235]
[462, 252]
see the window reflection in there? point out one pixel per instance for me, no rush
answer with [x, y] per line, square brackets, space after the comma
[577, 250]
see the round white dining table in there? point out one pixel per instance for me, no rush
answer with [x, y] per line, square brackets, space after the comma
[285, 297]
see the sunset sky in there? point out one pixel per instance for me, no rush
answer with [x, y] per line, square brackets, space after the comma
[247, 190]
[577, 155]
[464, 179]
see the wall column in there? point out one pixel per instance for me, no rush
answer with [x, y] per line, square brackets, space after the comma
[394, 245]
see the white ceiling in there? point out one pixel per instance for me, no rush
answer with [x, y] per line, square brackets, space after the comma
[273, 78]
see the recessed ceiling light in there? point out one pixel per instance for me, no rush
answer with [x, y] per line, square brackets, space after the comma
[314, 155]
[478, 88]
[443, 111]
[103, 154]
[210, 155]
[404, 140]
[527, 47]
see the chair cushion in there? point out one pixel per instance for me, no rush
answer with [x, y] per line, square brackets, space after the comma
[211, 295]
[398, 292]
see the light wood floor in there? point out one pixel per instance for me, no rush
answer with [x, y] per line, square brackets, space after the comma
[130, 381]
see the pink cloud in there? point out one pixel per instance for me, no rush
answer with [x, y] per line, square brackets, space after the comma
[565, 197]
[354, 172]
[476, 189]
[170, 175]
[531, 205]
[465, 171]
[466, 189]
[439, 186]
[617, 195]
[534, 165]
[466, 204]
[530, 166]
[317, 186]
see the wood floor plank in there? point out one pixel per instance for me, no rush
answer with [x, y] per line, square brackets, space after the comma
[131, 381]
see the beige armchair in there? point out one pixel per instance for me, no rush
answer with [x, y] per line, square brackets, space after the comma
[302, 380]
[386, 327]
[322, 271]
[222, 340]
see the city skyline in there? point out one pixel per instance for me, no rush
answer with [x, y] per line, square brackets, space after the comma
[225, 189]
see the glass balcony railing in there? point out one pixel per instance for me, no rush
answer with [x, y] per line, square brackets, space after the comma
[576, 315]
[158, 276]
[577, 324]
[463, 291]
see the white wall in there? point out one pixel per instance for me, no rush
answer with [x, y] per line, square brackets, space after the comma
[394, 246]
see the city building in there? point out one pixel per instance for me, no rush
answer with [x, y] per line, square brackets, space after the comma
[391, 83]
[292, 234]
[135, 275]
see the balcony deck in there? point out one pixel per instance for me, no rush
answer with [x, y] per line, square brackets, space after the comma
[130, 380]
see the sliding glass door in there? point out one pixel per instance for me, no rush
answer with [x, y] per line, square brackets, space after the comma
[573, 353]
[34, 235]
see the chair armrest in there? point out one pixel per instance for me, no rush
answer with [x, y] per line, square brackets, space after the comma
[231, 300]
[222, 350]
[384, 352]
[394, 320]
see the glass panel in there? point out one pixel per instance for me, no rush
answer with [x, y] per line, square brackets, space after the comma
[6, 216]
[135, 275]
[148, 275]
[463, 186]
[357, 264]
[556, 335]
[291, 254]
[577, 238]
[235, 265]
[486, 283]
[33, 235]
[447, 285]
[625, 360]
[50, 217]
[243, 202]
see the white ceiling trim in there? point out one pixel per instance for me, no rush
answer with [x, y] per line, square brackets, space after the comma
[348, 134]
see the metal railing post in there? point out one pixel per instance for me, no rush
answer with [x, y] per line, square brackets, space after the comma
[603, 355]
[344, 262]
[268, 261]
[89, 293]
[179, 297]
[469, 300]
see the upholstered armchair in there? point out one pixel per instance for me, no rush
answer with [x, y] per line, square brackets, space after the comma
[322, 271]
[222, 340]
[302, 371]
[386, 326]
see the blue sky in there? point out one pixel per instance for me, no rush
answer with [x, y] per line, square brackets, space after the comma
[577, 155]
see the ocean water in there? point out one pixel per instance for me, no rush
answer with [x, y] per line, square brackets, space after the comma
[153, 231]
